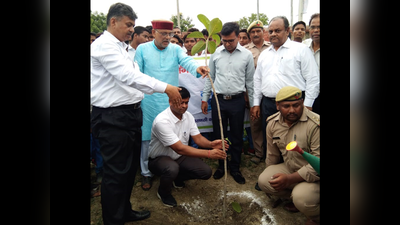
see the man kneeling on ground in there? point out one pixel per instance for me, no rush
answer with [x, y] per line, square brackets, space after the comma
[294, 177]
[171, 158]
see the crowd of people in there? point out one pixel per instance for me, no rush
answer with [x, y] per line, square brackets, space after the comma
[139, 109]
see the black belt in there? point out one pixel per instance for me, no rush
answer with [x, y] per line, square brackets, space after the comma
[303, 94]
[131, 106]
[269, 97]
[230, 97]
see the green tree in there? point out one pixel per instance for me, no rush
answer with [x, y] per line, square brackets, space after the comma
[244, 22]
[186, 24]
[98, 22]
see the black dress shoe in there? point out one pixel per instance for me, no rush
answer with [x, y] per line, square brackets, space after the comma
[168, 200]
[237, 176]
[137, 215]
[257, 187]
[218, 174]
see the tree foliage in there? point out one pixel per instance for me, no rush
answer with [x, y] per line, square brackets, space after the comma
[186, 24]
[98, 22]
[244, 22]
[213, 27]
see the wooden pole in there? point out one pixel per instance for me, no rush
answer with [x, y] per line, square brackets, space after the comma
[222, 135]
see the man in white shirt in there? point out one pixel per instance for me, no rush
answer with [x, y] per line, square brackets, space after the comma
[314, 45]
[170, 156]
[117, 88]
[284, 63]
[139, 36]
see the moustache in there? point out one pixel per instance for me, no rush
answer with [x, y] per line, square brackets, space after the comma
[256, 36]
[291, 114]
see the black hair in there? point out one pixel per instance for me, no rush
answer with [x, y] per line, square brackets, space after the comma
[184, 92]
[297, 23]
[185, 37]
[193, 29]
[313, 16]
[285, 20]
[178, 38]
[230, 27]
[204, 32]
[245, 31]
[119, 10]
[149, 28]
[139, 30]
[92, 34]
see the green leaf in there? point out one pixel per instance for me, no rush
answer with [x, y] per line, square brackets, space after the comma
[204, 20]
[212, 47]
[236, 207]
[199, 46]
[196, 34]
[215, 26]
[216, 38]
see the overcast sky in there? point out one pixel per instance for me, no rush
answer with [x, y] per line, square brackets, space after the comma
[225, 10]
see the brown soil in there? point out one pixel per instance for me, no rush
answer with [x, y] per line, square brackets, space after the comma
[201, 202]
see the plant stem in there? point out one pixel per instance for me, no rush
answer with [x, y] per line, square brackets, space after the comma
[222, 135]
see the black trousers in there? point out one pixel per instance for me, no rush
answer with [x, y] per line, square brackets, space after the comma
[232, 112]
[119, 132]
[268, 107]
[316, 106]
[181, 169]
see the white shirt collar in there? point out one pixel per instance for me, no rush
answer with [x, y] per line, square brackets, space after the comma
[174, 118]
[114, 39]
[287, 44]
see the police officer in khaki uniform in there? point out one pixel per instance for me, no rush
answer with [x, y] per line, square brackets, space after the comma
[256, 46]
[293, 177]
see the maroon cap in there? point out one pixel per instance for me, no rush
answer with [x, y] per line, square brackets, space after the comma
[162, 24]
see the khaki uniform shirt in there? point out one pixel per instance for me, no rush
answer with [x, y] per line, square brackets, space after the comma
[256, 51]
[279, 135]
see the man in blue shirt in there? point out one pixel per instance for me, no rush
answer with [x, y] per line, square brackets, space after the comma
[232, 70]
[160, 60]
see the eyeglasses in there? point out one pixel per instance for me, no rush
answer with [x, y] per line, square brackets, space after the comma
[164, 34]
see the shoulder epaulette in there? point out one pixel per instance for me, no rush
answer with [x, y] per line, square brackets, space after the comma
[273, 116]
[313, 117]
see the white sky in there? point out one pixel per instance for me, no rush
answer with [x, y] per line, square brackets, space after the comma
[225, 10]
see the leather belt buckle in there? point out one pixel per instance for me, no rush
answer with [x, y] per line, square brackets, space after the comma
[227, 97]
[137, 105]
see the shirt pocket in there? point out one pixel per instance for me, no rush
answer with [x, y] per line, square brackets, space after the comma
[281, 144]
[288, 65]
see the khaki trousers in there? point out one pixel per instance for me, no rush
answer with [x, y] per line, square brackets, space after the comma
[305, 195]
[257, 136]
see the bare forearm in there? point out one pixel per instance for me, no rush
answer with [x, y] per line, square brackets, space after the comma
[295, 178]
[202, 141]
[190, 151]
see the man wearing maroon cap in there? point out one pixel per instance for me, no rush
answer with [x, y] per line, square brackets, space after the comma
[160, 60]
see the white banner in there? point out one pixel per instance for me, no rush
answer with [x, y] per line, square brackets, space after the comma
[195, 87]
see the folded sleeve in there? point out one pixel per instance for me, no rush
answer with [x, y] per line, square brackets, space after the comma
[307, 172]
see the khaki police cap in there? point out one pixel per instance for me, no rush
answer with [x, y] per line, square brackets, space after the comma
[255, 24]
[288, 93]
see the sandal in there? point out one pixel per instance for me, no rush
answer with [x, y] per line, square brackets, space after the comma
[146, 183]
